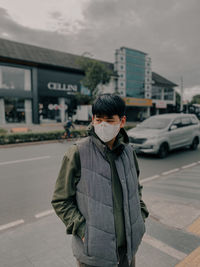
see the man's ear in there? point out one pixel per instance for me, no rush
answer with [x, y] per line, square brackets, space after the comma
[123, 121]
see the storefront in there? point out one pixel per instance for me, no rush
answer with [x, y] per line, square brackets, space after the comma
[56, 90]
[137, 109]
[37, 85]
[15, 94]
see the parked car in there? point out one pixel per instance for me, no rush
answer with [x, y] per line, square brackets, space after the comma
[160, 134]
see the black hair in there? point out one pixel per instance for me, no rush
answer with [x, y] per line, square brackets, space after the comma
[109, 105]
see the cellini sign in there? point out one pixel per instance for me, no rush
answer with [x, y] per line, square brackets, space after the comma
[69, 88]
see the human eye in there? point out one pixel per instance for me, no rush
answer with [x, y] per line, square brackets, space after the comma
[98, 120]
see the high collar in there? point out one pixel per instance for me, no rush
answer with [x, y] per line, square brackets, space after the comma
[118, 146]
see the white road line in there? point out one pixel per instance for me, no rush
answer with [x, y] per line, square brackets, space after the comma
[44, 213]
[171, 171]
[189, 165]
[23, 160]
[164, 247]
[11, 224]
[149, 179]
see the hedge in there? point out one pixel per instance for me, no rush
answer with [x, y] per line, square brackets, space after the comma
[33, 137]
[14, 138]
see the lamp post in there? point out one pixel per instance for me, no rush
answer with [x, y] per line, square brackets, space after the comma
[181, 106]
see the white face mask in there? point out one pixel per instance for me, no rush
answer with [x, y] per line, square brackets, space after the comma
[106, 131]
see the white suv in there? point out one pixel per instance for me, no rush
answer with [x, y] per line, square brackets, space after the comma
[161, 133]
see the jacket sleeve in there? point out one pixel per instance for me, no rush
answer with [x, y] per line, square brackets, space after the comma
[144, 210]
[64, 196]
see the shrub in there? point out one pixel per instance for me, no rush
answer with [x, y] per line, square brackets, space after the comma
[32, 137]
[3, 131]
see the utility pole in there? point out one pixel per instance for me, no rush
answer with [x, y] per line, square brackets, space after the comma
[181, 107]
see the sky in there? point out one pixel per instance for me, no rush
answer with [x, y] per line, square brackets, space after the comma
[167, 30]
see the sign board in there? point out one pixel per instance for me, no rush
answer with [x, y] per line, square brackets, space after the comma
[58, 83]
[161, 104]
[138, 102]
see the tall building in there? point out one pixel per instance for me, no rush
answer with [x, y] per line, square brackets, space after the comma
[134, 70]
[134, 80]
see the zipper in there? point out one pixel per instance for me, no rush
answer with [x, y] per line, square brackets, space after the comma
[118, 259]
[115, 225]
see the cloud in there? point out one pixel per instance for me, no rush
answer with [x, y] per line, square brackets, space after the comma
[190, 92]
[167, 30]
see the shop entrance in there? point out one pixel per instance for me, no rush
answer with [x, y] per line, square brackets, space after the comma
[49, 109]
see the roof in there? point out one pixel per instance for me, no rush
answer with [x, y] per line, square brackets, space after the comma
[159, 80]
[36, 55]
[135, 50]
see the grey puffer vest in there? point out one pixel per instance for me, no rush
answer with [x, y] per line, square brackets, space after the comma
[95, 201]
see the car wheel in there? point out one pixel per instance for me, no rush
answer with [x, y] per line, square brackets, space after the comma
[163, 151]
[195, 143]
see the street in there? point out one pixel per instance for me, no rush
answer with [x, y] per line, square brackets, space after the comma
[28, 175]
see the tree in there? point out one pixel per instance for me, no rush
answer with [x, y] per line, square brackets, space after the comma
[96, 73]
[195, 99]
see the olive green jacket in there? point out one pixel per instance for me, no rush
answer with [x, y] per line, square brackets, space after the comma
[64, 197]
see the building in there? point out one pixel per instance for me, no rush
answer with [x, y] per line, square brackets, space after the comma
[163, 95]
[134, 83]
[139, 86]
[37, 84]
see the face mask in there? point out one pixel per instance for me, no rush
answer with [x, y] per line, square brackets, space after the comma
[106, 131]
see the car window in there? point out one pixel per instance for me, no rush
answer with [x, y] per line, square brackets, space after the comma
[186, 121]
[177, 122]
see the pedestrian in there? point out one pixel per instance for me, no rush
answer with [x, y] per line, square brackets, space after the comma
[67, 127]
[97, 193]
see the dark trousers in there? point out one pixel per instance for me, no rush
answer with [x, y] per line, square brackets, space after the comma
[122, 263]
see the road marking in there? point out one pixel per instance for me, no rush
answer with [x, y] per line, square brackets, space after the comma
[11, 224]
[23, 160]
[192, 260]
[189, 165]
[164, 248]
[44, 213]
[149, 179]
[195, 227]
[171, 171]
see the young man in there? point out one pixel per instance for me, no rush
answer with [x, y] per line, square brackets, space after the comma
[97, 193]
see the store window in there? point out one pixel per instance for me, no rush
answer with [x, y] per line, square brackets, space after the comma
[168, 94]
[49, 109]
[13, 78]
[14, 110]
[156, 92]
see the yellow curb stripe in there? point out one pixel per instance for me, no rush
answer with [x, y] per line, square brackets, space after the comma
[195, 227]
[192, 260]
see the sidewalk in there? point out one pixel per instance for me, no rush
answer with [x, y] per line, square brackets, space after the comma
[46, 127]
[172, 237]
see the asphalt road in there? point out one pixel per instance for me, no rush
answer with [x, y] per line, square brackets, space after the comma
[28, 174]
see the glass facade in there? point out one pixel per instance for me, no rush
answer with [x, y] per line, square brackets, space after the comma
[168, 94]
[14, 110]
[156, 92]
[13, 78]
[49, 109]
[135, 73]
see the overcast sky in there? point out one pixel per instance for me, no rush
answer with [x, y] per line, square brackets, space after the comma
[167, 30]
